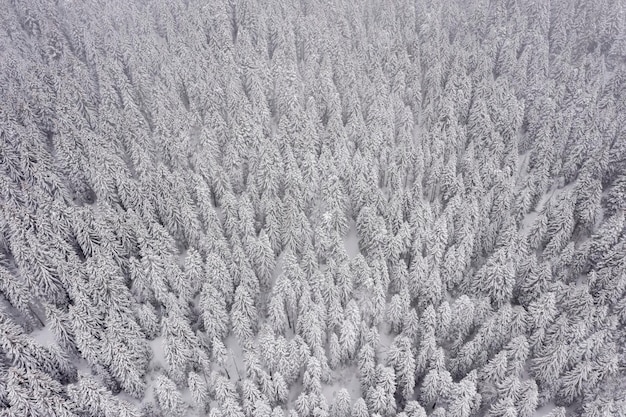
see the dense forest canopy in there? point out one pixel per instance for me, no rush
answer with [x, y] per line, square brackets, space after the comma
[238, 208]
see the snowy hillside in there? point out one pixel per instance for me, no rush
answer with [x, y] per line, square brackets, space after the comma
[269, 208]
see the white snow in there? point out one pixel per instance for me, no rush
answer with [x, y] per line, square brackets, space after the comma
[386, 338]
[344, 378]
[158, 354]
[234, 363]
[44, 336]
[530, 218]
[351, 241]
[522, 161]
[545, 410]
[278, 268]
[180, 259]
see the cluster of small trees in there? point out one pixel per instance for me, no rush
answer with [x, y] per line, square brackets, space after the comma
[221, 208]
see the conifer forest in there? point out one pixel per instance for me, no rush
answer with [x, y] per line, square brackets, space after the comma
[312, 208]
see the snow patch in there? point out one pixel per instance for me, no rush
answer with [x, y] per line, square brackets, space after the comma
[347, 378]
[351, 241]
[158, 353]
[180, 259]
[545, 410]
[386, 338]
[278, 268]
[234, 363]
[220, 214]
[531, 217]
[44, 336]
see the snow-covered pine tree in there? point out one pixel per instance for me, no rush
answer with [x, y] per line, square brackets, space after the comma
[199, 391]
[168, 398]
[464, 399]
[179, 343]
[400, 357]
[359, 408]
[130, 353]
[244, 314]
[435, 387]
[214, 314]
[341, 404]
[93, 399]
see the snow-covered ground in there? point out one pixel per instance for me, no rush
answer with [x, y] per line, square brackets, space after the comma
[351, 241]
[347, 378]
[44, 336]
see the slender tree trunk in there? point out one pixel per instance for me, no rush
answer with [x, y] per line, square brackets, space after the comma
[32, 311]
[236, 367]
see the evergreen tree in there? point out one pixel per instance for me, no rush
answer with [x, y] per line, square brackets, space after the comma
[367, 367]
[528, 398]
[401, 358]
[341, 404]
[464, 399]
[131, 355]
[214, 314]
[199, 391]
[179, 343]
[281, 389]
[244, 314]
[497, 277]
[359, 408]
[61, 327]
[435, 387]
[92, 398]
